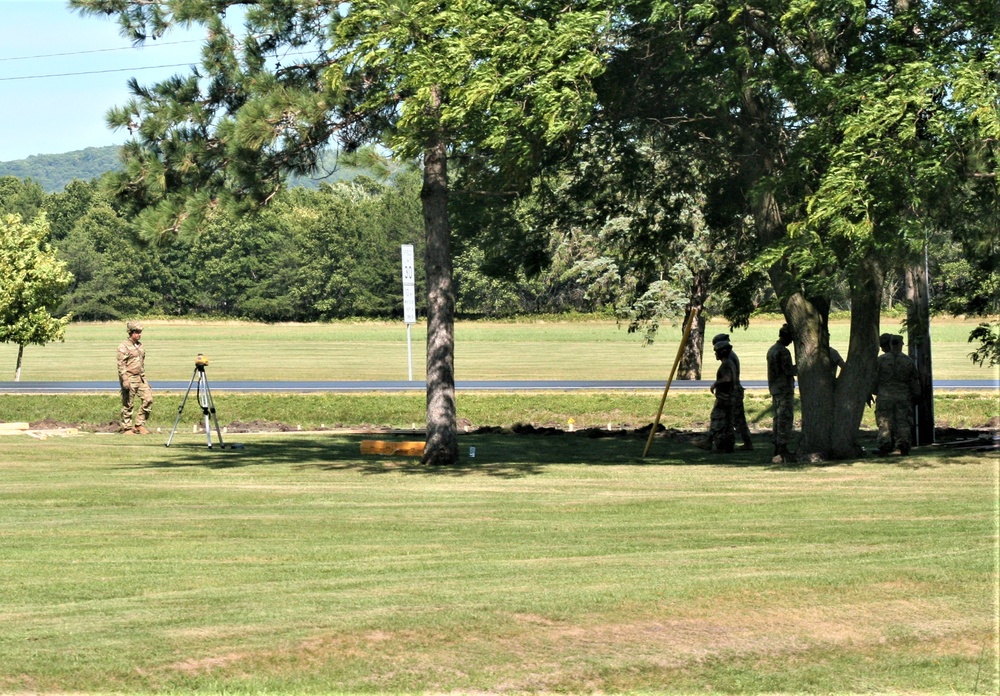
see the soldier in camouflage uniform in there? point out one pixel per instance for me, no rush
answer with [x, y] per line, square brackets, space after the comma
[897, 385]
[739, 410]
[781, 384]
[721, 435]
[132, 378]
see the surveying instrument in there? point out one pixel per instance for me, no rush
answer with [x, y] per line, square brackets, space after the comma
[204, 400]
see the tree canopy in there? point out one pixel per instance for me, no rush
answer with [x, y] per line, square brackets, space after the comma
[825, 141]
[813, 146]
[496, 82]
[32, 281]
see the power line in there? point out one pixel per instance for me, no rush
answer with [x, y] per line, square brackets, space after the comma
[114, 70]
[99, 50]
[96, 72]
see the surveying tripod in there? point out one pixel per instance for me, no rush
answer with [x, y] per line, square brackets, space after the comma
[204, 399]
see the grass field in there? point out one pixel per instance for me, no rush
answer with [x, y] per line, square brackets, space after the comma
[589, 349]
[545, 564]
[608, 410]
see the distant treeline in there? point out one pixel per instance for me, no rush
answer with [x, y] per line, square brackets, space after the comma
[312, 254]
[330, 250]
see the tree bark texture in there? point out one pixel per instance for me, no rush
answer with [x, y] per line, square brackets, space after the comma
[808, 319]
[441, 447]
[17, 368]
[691, 359]
[854, 385]
[918, 328]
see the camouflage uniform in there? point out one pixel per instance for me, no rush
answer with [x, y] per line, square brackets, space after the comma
[897, 385]
[781, 385]
[739, 410]
[132, 378]
[721, 434]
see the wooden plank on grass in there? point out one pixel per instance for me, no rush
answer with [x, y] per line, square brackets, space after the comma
[397, 449]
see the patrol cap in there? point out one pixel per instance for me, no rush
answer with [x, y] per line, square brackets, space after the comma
[897, 340]
[722, 345]
[134, 327]
[719, 338]
[786, 330]
[885, 339]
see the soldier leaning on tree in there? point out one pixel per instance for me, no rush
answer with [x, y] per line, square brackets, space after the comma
[897, 386]
[739, 408]
[132, 378]
[781, 383]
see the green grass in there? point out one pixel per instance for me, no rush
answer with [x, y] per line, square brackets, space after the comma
[545, 564]
[619, 410]
[540, 349]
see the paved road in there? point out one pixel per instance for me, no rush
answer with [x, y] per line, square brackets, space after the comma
[402, 385]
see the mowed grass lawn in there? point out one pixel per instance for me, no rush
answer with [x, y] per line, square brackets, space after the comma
[585, 349]
[544, 564]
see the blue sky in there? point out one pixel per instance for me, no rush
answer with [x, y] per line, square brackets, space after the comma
[40, 114]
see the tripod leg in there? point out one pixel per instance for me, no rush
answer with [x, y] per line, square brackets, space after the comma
[205, 399]
[215, 418]
[180, 409]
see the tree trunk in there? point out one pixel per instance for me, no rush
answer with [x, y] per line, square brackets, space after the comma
[918, 328]
[17, 368]
[441, 448]
[856, 380]
[808, 319]
[691, 359]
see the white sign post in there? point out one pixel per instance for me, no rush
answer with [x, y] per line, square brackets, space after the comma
[409, 301]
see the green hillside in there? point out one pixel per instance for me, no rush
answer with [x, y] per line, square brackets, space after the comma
[53, 172]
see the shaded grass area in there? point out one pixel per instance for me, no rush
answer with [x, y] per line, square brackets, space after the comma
[543, 564]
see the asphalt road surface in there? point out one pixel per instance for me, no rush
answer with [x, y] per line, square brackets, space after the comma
[403, 385]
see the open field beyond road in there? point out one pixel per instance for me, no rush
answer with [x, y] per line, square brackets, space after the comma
[544, 564]
[550, 350]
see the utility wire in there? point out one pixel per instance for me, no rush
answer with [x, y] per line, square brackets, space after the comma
[114, 70]
[100, 50]
[97, 72]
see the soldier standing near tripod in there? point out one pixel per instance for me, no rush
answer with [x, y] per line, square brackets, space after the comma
[132, 379]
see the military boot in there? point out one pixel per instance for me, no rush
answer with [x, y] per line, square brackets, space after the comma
[702, 443]
[782, 455]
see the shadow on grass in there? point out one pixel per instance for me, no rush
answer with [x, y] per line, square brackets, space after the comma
[503, 455]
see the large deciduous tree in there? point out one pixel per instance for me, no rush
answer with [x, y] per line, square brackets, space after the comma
[32, 281]
[832, 132]
[499, 83]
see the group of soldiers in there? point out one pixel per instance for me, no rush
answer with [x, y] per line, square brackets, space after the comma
[896, 389]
